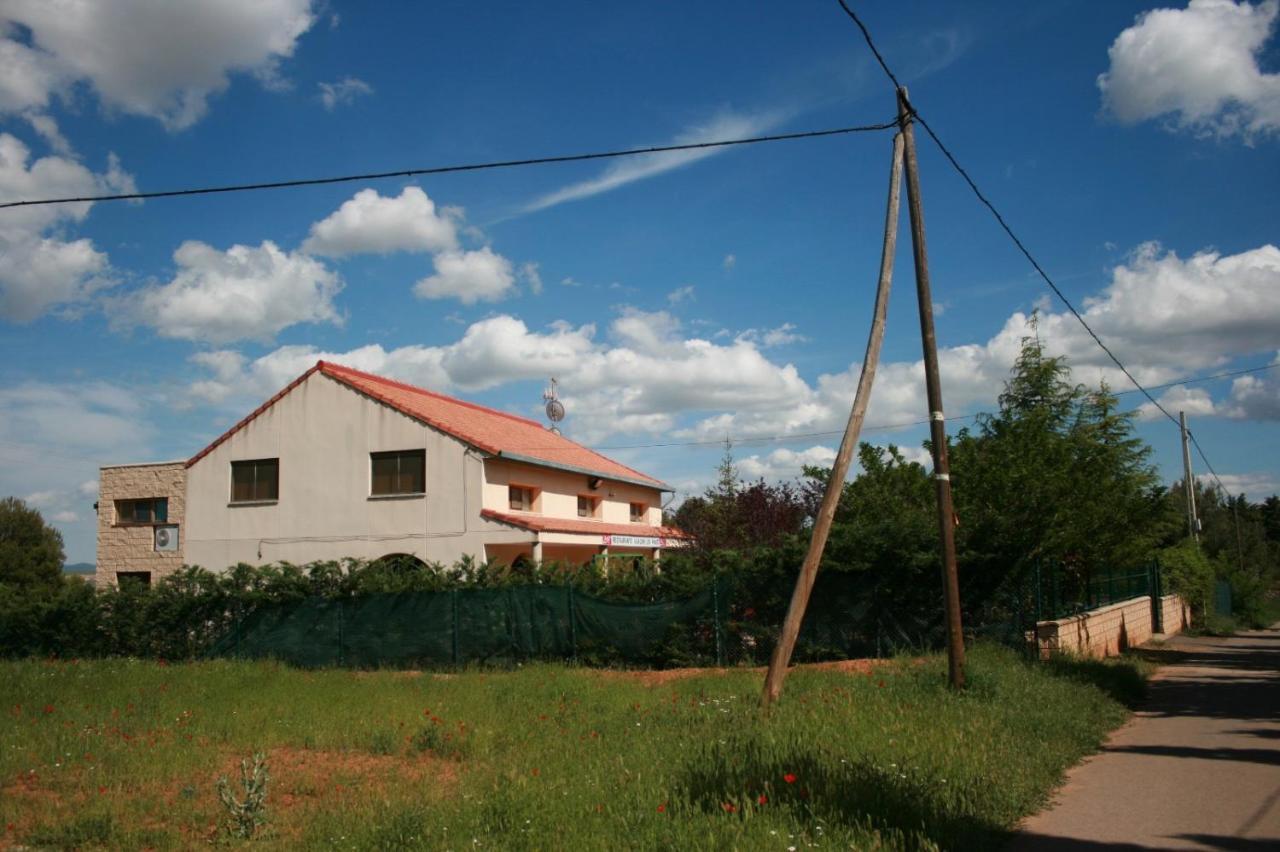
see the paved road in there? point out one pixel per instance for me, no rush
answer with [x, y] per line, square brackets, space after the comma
[1198, 767]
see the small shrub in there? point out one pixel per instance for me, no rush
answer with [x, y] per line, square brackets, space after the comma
[245, 816]
[440, 741]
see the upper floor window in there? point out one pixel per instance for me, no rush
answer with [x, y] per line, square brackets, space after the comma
[152, 510]
[398, 472]
[638, 512]
[587, 506]
[255, 481]
[521, 497]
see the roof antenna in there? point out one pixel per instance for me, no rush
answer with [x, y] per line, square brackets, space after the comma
[555, 408]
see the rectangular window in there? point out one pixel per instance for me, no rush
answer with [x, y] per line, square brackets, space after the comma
[399, 472]
[587, 506]
[638, 511]
[520, 498]
[136, 579]
[152, 510]
[255, 481]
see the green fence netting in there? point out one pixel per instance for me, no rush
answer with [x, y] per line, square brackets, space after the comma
[847, 617]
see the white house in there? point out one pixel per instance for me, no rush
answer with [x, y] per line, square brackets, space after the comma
[342, 463]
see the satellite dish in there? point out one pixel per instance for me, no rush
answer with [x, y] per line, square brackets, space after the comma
[555, 408]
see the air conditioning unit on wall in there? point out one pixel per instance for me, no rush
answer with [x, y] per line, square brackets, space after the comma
[167, 538]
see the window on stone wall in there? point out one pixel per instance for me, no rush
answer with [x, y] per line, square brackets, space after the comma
[399, 472]
[255, 481]
[151, 510]
[138, 578]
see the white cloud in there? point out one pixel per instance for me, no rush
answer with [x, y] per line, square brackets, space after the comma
[66, 516]
[1192, 401]
[41, 268]
[783, 335]
[783, 463]
[529, 274]
[1254, 486]
[1255, 397]
[725, 125]
[681, 294]
[730, 261]
[469, 277]
[1168, 318]
[53, 438]
[343, 93]
[1198, 65]
[153, 58]
[242, 293]
[369, 223]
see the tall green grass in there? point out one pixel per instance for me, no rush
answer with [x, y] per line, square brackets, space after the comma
[123, 754]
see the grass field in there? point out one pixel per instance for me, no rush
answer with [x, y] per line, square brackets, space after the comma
[126, 754]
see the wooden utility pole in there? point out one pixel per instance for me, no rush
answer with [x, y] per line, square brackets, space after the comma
[835, 484]
[933, 388]
[1188, 484]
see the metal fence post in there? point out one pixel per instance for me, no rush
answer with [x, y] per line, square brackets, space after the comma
[1039, 593]
[573, 625]
[341, 650]
[715, 612]
[453, 605]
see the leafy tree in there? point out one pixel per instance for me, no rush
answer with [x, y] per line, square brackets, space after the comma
[733, 515]
[1056, 478]
[31, 552]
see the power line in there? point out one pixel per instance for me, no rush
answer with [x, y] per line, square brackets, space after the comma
[470, 167]
[914, 114]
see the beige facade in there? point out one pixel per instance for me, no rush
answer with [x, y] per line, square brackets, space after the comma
[320, 434]
[130, 548]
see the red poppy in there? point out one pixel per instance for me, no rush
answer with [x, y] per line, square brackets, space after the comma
[48, 708]
[662, 808]
[102, 790]
[763, 800]
[790, 778]
[881, 684]
[729, 808]
[535, 772]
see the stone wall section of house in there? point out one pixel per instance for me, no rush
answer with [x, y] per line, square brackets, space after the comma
[1110, 630]
[131, 547]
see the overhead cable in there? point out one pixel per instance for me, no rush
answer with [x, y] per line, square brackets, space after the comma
[469, 167]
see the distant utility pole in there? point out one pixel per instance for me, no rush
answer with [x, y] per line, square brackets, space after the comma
[933, 388]
[1188, 484]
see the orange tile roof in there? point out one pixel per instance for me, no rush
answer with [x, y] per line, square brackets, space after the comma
[497, 432]
[542, 523]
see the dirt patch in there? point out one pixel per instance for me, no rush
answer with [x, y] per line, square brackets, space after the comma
[298, 774]
[665, 676]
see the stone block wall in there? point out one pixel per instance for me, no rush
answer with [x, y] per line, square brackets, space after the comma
[1109, 630]
[131, 547]
[1175, 614]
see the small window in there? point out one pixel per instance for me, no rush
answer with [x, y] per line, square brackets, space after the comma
[134, 579]
[520, 497]
[399, 472]
[638, 511]
[587, 506]
[255, 481]
[152, 510]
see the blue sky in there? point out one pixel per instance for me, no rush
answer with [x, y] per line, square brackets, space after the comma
[678, 300]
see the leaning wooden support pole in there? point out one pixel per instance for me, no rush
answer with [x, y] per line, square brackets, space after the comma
[933, 389]
[835, 485]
